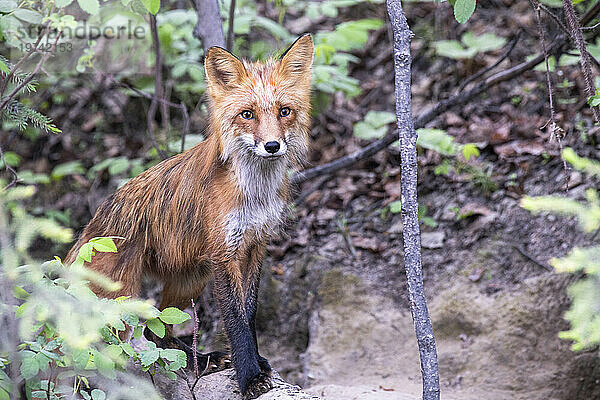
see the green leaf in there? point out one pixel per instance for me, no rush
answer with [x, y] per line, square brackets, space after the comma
[104, 244]
[20, 293]
[172, 315]
[429, 222]
[156, 326]
[89, 6]
[395, 207]
[486, 42]
[453, 49]
[62, 3]
[7, 6]
[127, 349]
[104, 364]
[26, 15]
[81, 357]
[11, 158]
[118, 166]
[173, 355]
[470, 150]
[171, 375]
[30, 178]
[437, 140]
[275, 29]
[365, 131]
[137, 332]
[149, 357]
[3, 67]
[98, 394]
[86, 251]
[130, 319]
[378, 119]
[29, 365]
[152, 6]
[68, 168]
[113, 351]
[463, 9]
[594, 101]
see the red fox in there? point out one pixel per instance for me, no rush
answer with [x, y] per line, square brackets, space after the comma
[208, 212]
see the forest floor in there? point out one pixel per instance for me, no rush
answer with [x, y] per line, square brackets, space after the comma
[334, 307]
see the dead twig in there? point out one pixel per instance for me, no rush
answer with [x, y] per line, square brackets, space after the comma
[531, 258]
[186, 124]
[559, 22]
[195, 340]
[157, 87]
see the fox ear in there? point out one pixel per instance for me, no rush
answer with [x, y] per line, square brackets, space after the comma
[298, 58]
[222, 68]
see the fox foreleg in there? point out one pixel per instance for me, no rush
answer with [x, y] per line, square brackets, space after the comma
[236, 295]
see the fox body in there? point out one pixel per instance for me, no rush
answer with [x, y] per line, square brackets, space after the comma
[207, 213]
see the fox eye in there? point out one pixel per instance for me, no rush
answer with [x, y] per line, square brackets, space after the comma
[247, 114]
[284, 112]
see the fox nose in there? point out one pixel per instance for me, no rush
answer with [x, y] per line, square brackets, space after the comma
[272, 147]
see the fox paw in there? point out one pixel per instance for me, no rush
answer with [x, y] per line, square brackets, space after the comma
[264, 365]
[214, 362]
[257, 386]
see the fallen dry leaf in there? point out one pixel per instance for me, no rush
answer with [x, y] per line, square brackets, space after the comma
[371, 244]
[518, 147]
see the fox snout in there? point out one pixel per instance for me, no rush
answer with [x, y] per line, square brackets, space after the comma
[271, 149]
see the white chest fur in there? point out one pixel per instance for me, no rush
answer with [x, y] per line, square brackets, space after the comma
[262, 208]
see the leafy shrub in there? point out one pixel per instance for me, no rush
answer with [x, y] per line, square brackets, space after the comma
[583, 314]
[58, 337]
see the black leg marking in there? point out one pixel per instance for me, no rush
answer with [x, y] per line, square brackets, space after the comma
[251, 306]
[252, 381]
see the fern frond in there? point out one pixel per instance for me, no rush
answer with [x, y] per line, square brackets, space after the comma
[23, 115]
[18, 77]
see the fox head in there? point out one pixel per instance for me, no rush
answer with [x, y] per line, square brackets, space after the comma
[261, 110]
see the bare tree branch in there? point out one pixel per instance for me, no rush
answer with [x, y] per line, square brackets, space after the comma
[209, 28]
[410, 206]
